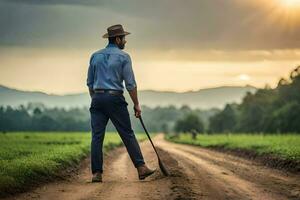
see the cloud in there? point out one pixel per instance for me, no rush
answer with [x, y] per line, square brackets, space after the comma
[156, 24]
[55, 2]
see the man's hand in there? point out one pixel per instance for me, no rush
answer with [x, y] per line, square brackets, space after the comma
[137, 111]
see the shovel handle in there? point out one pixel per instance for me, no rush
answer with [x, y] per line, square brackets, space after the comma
[141, 120]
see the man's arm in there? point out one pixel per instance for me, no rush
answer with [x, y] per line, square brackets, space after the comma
[131, 85]
[134, 98]
[90, 78]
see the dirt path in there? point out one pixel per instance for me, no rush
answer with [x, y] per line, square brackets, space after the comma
[196, 173]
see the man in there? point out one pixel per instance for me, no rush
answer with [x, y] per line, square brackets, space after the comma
[107, 70]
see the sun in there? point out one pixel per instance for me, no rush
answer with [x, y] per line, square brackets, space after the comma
[290, 3]
[243, 77]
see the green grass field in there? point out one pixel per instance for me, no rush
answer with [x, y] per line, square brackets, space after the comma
[285, 146]
[30, 158]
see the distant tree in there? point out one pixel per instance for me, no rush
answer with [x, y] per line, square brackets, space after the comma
[255, 109]
[165, 128]
[287, 118]
[224, 121]
[37, 111]
[191, 123]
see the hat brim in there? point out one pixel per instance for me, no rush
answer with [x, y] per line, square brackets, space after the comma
[119, 34]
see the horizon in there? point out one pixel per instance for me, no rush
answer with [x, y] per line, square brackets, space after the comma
[151, 90]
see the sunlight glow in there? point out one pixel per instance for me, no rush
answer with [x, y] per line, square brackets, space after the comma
[288, 12]
[282, 13]
[290, 3]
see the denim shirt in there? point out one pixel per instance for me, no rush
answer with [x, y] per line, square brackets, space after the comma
[108, 68]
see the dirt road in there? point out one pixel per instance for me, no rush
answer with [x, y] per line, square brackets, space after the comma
[196, 173]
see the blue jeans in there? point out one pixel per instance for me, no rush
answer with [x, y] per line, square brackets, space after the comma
[106, 106]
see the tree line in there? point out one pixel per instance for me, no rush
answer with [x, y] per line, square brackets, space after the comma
[37, 117]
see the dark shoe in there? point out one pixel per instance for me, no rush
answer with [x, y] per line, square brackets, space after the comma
[97, 177]
[144, 172]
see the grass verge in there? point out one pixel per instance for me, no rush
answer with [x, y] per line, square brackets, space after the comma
[28, 159]
[276, 150]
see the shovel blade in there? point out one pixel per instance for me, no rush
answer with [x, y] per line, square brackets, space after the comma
[162, 168]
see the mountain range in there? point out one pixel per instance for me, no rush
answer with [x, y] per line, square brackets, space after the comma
[202, 99]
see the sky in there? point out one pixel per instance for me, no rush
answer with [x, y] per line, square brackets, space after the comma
[175, 45]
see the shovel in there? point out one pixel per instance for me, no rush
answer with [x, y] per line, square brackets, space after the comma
[161, 165]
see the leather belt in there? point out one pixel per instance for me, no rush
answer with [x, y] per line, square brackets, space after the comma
[116, 92]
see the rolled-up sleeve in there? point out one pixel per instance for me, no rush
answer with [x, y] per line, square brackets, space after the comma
[90, 75]
[128, 74]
